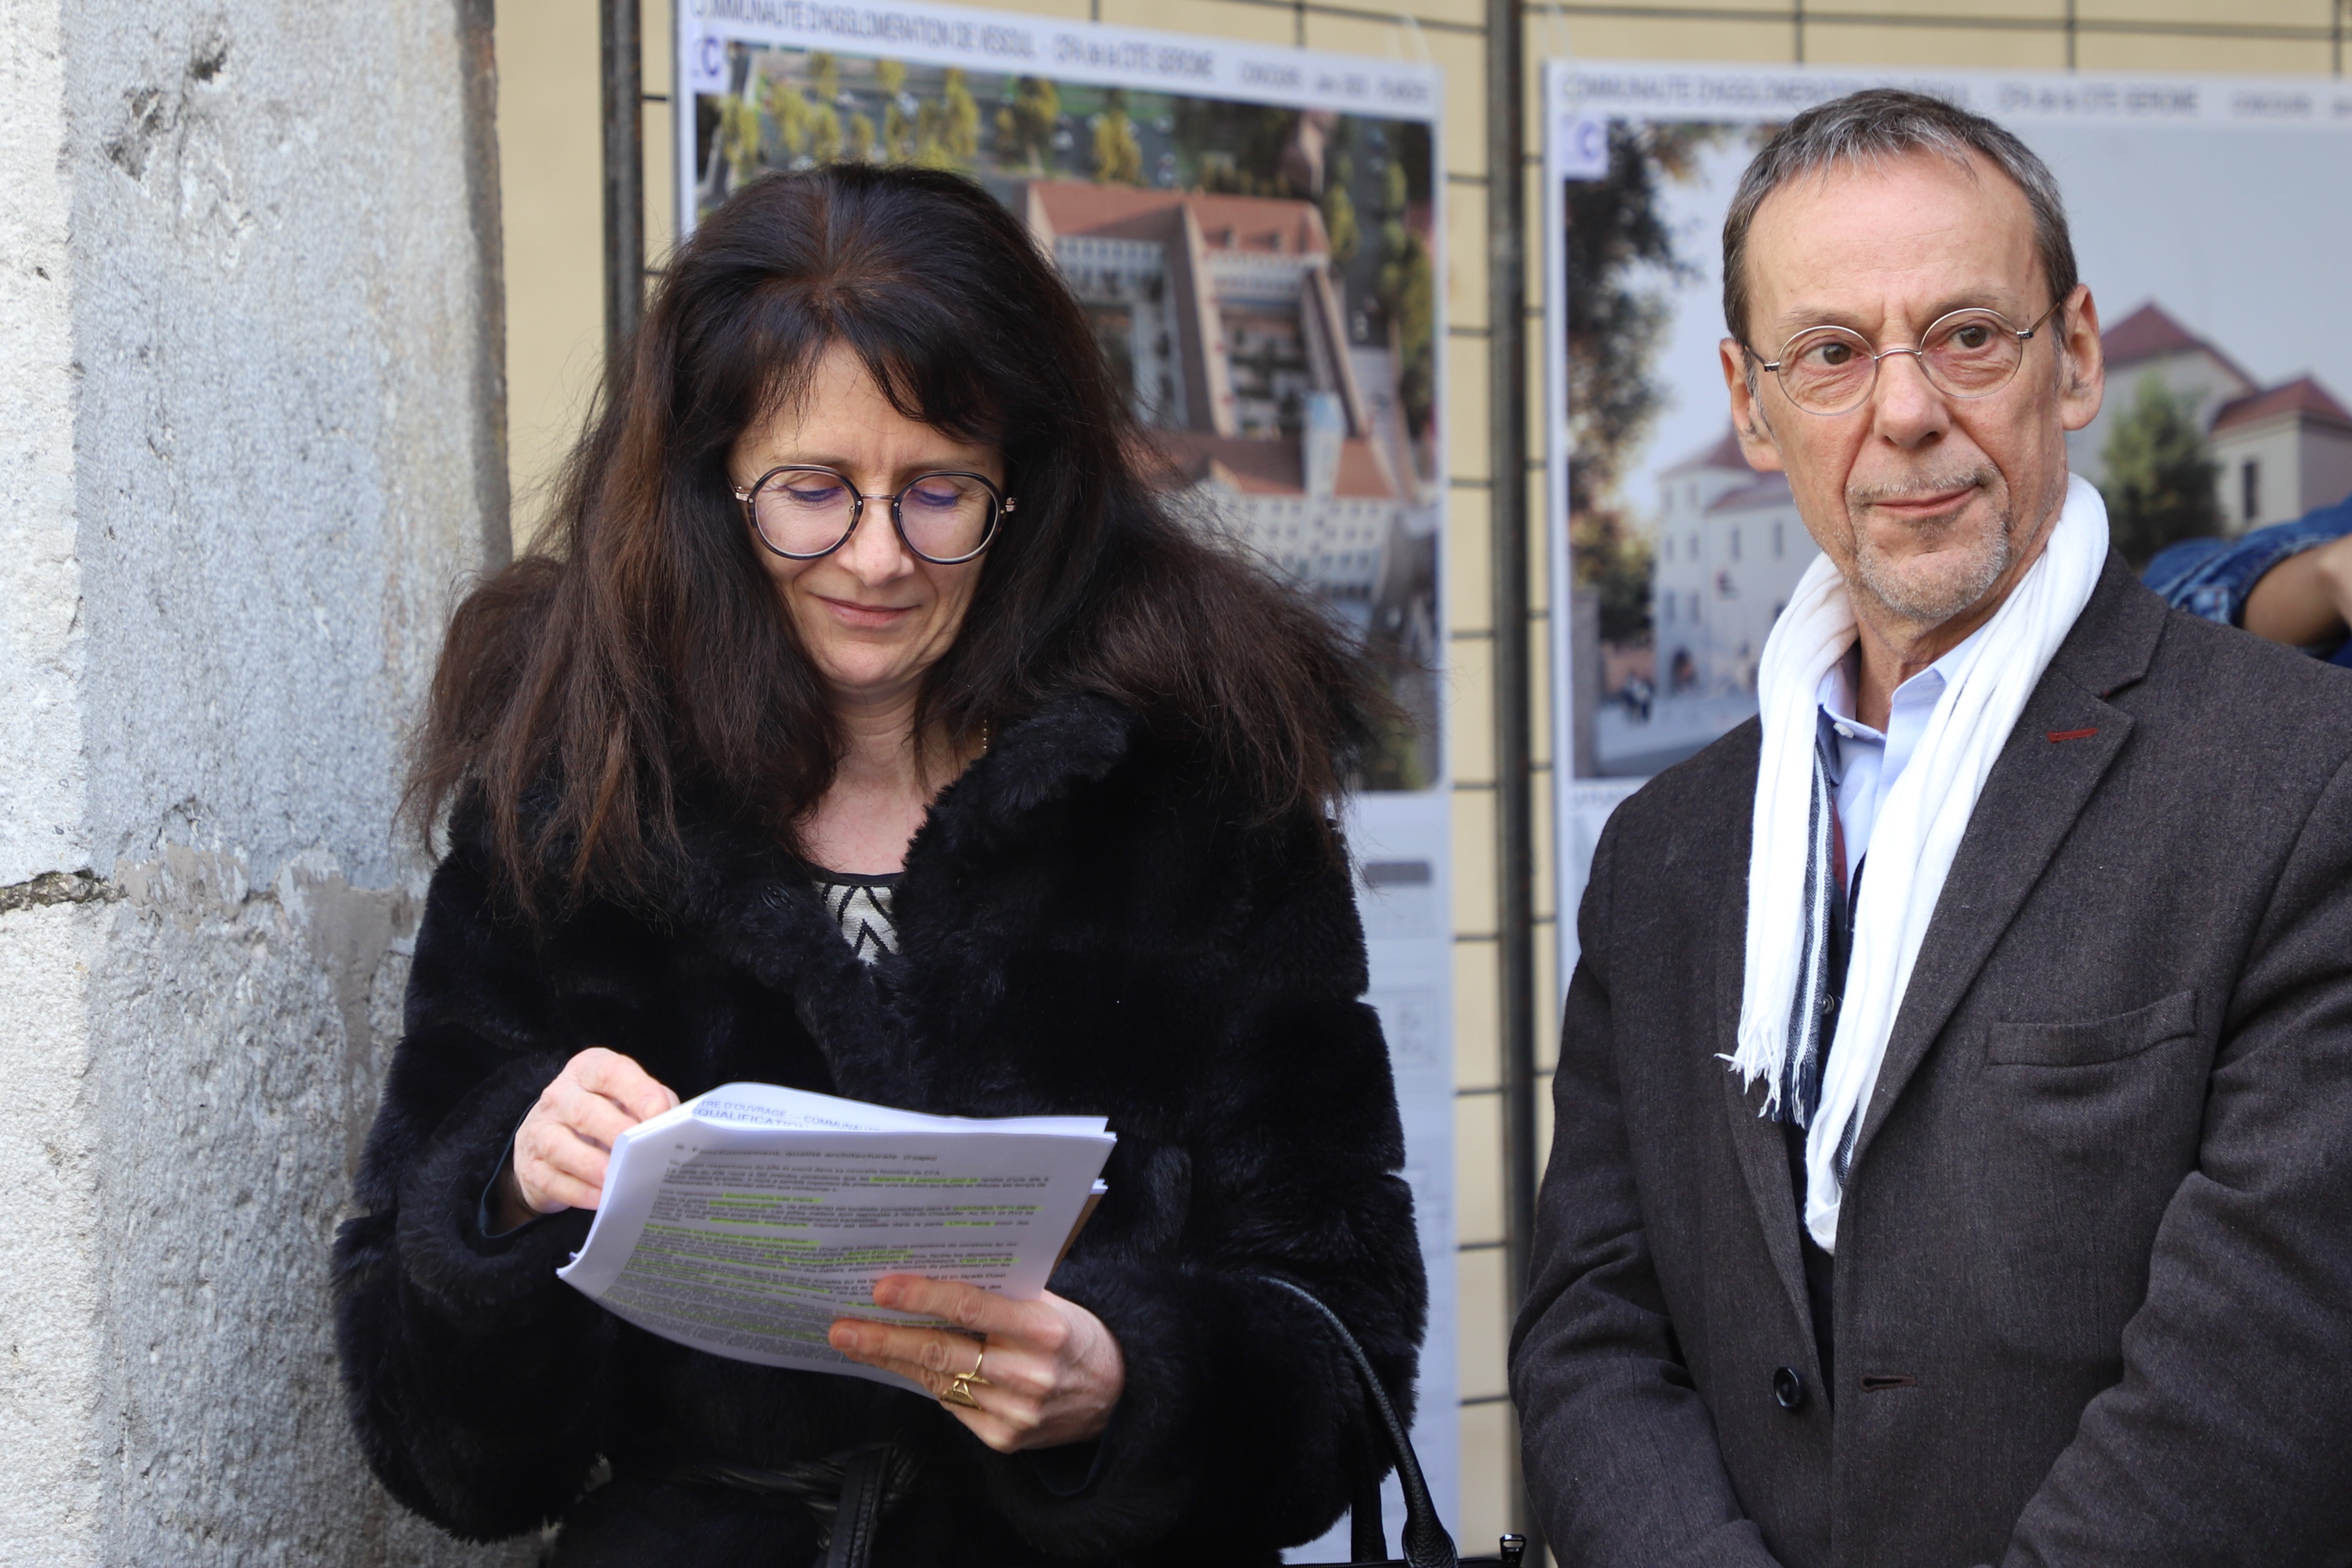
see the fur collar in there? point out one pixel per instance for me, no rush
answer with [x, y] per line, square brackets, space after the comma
[753, 903]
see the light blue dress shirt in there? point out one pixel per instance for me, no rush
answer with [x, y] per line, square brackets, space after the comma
[1869, 761]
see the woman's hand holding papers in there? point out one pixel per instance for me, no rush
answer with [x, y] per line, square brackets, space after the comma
[562, 1146]
[1053, 1372]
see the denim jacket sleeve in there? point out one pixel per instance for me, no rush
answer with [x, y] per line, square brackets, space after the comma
[2211, 577]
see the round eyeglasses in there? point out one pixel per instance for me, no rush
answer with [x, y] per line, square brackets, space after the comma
[1967, 354]
[801, 513]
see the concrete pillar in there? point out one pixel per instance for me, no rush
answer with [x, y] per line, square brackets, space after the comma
[250, 443]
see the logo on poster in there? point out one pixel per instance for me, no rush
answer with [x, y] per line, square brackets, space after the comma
[706, 59]
[1583, 150]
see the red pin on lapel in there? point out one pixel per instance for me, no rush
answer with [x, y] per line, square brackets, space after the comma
[2057, 735]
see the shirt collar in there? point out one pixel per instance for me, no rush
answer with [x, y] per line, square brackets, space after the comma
[1836, 692]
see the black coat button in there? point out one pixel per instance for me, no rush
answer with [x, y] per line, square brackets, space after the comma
[1788, 1388]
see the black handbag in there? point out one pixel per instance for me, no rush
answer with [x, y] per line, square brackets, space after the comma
[1426, 1543]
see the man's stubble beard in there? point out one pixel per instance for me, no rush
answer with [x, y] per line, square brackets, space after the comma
[1942, 596]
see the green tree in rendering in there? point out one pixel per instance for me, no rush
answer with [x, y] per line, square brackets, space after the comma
[788, 106]
[1406, 287]
[1407, 290]
[947, 128]
[959, 119]
[1119, 156]
[824, 132]
[2159, 476]
[1340, 225]
[1617, 240]
[1024, 128]
[1231, 149]
[898, 141]
[738, 136]
[1609, 555]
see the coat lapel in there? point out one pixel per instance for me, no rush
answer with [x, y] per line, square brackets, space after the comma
[1757, 1145]
[2062, 747]
[1763, 1153]
[758, 908]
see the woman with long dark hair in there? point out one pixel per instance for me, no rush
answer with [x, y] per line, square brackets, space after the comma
[872, 727]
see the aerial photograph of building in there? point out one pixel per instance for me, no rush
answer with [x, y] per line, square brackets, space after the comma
[1264, 280]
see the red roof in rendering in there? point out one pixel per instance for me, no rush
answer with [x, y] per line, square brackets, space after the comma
[1764, 490]
[1268, 224]
[2148, 333]
[1724, 454]
[2145, 333]
[2304, 396]
[1256, 466]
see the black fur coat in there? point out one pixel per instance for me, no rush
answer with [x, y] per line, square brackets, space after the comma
[1085, 928]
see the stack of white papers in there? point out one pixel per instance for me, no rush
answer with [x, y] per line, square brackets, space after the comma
[746, 1220]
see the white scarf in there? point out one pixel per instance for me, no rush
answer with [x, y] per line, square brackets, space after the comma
[1912, 843]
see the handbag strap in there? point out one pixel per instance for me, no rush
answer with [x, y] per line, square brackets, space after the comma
[1368, 1539]
[1426, 1543]
[846, 1493]
[863, 1481]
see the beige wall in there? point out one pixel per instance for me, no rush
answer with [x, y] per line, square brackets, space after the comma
[547, 61]
[550, 166]
[549, 111]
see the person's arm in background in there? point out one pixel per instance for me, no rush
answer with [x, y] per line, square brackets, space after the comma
[2290, 582]
[2306, 598]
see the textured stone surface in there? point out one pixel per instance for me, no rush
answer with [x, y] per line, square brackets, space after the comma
[248, 451]
[263, 1015]
[276, 319]
[39, 735]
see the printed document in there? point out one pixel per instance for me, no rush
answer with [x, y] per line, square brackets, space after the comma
[746, 1220]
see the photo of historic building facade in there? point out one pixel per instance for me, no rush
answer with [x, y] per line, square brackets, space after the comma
[2225, 407]
[1729, 549]
[2278, 451]
[1727, 545]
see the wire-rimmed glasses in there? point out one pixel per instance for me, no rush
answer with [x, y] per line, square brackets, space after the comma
[1969, 353]
[802, 512]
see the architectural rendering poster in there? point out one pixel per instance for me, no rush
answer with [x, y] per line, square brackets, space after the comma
[1255, 234]
[2208, 221]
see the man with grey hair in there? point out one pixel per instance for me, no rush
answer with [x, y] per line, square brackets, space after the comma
[1953, 1160]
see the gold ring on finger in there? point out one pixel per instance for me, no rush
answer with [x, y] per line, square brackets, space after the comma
[958, 1393]
[973, 1375]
